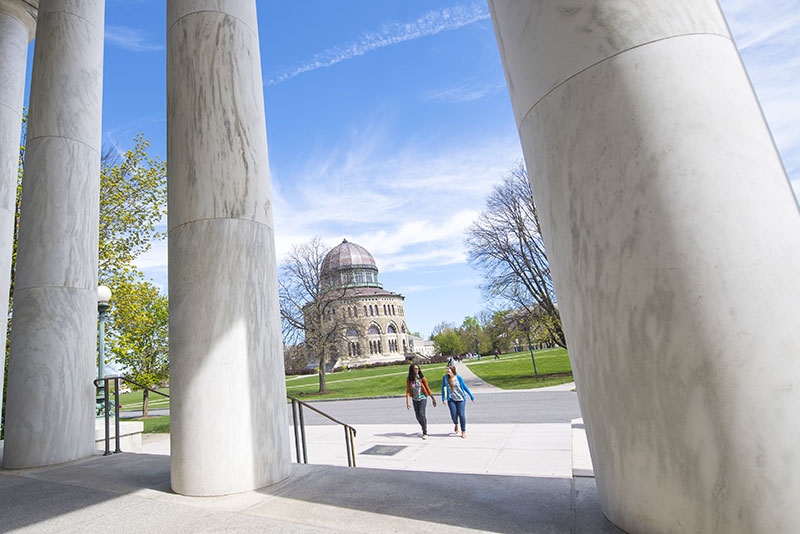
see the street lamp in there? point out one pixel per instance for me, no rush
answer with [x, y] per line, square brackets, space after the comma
[103, 303]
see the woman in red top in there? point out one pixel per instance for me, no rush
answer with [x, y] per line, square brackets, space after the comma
[418, 391]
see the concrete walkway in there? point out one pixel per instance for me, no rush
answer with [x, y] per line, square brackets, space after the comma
[515, 478]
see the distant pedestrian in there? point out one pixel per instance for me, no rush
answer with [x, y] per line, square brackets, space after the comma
[496, 354]
[451, 360]
[454, 393]
[418, 391]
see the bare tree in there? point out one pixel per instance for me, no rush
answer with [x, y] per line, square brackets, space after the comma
[311, 310]
[505, 244]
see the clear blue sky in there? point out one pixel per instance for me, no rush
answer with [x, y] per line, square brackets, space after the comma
[388, 122]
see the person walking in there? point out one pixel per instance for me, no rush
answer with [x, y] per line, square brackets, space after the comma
[418, 391]
[454, 393]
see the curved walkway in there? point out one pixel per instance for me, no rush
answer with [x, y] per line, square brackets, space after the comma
[473, 381]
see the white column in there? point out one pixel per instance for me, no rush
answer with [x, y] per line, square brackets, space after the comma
[50, 405]
[17, 23]
[674, 240]
[229, 422]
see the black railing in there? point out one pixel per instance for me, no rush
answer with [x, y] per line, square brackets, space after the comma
[300, 432]
[105, 381]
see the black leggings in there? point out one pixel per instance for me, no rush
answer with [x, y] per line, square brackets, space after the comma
[419, 411]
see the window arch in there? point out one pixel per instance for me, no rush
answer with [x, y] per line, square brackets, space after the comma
[373, 330]
[391, 329]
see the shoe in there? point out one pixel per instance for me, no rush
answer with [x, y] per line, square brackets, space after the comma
[455, 429]
[424, 436]
[464, 435]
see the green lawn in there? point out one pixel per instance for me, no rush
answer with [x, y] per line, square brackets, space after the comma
[515, 370]
[133, 401]
[511, 371]
[155, 425]
[360, 383]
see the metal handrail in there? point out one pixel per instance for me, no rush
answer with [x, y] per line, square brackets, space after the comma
[300, 432]
[116, 380]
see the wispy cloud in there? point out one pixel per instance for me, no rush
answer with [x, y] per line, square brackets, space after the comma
[769, 42]
[466, 92]
[131, 39]
[430, 23]
[409, 209]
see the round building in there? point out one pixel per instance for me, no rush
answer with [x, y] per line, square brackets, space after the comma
[373, 325]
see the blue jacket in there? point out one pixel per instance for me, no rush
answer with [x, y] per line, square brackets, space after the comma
[446, 388]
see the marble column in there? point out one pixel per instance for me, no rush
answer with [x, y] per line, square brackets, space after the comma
[50, 406]
[674, 240]
[229, 421]
[17, 24]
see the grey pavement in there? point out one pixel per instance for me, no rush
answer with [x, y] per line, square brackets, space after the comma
[504, 477]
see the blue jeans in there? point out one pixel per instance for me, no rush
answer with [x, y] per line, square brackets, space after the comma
[458, 411]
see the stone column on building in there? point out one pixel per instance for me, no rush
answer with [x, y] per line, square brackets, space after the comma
[229, 422]
[17, 24]
[674, 241]
[50, 405]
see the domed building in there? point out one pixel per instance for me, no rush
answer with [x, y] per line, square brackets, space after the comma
[373, 324]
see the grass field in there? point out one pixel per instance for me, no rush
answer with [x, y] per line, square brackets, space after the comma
[515, 371]
[511, 371]
[133, 401]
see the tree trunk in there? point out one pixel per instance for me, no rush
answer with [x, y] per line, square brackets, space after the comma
[530, 348]
[145, 402]
[323, 388]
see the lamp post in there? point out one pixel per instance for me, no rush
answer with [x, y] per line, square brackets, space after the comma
[103, 303]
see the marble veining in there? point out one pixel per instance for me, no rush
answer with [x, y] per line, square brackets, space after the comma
[218, 144]
[544, 42]
[72, 75]
[224, 320]
[225, 336]
[674, 242]
[244, 11]
[59, 214]
[14, 36]
[50, 404]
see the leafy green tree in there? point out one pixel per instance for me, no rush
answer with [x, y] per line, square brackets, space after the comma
[141, 320]
[494, 331]
[133, 202]
[469, 333]
[448, 342]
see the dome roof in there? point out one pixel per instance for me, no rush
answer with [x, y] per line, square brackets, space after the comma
[345, 256]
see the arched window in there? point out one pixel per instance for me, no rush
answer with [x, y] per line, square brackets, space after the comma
[391, 329]
[351, 332]
[373, 330]
[393, 313]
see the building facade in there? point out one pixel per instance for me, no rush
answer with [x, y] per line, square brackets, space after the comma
[370, 321]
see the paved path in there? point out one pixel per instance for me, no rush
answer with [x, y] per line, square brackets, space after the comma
[474, 383]
[505, 477]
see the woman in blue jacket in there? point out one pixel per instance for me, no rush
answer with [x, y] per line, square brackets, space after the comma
[454, 393]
